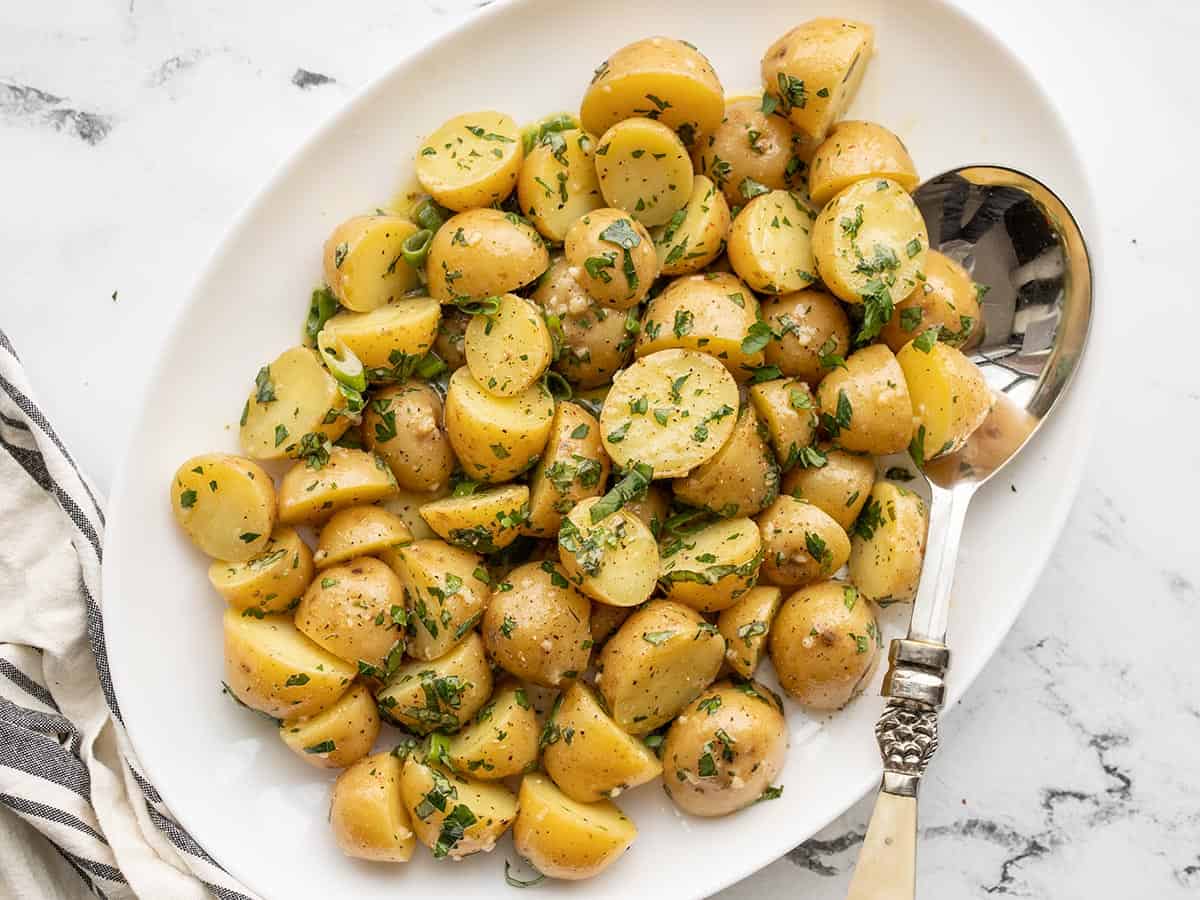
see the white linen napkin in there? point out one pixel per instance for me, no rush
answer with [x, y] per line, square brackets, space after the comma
[66, 766]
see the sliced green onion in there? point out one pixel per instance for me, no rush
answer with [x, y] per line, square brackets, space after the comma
[341, 361]
[559, 387]
[430, 214]
[430, 366]
[488, 306]
[416, 247]
[321, 309]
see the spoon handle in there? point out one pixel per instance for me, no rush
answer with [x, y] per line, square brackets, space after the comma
[887, 865]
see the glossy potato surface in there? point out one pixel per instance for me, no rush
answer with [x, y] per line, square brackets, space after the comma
[225, 504]
[644, 169]
[471, 160]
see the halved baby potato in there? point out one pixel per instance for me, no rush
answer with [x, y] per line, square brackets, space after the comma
[272, 667]
[714, 566]
[441, 694]
[742, 478]
[751, 151]
[607, 619]
[595, 339]
[949, 395]
[558, 182]
[612, 257]
[510, 349]
[573, 467]
[786, 407]
[354, 612]
[453, 815]
[472, 160]
[483, 253]
[502, 741]
[359, 531]
[565, 839]
[865, 405]
[496, 438]
[272, 581]
[589, 756]
[712, 313]
[389, 334]
[293, 396]
[745, 626]
[839, 487]
[338, 736]
[671, 410]
[403, 425]
[485, 521]
[856, 151]
[367, 812]
[869, 243]
[801, 544]
[658, 77]
[364, 261]
[644, 169]
[695, 235]
[225, 504]
[613, 560]
[947, 300]
[446, 589]
[348, 478]
[814, 334]
[888, 548]
[770, 243]
[406, 505]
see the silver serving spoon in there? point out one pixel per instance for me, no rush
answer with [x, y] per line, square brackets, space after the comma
[1020, 241]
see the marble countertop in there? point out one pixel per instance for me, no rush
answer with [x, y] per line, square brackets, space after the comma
[133, 130]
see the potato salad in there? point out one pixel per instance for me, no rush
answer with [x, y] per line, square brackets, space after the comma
[576, 456]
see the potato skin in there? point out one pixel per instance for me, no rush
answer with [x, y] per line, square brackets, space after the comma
[341, 607]
[725, 749]
[947, 300]
[539, 630]
[742, 479]
[482, 253]
[873, 386]
[590, 758]
[403, 425]
[225, 504]
[599, 263]
[363, 264]
[801, 544]
[748, 144]
[812, 324]
[472, 160]
[745, 627]
[574, 467]
[565, 839]
[272, 581]
[825, 644]
[855, 151]
[595, 339]
[658, 661]
[348, 729]
[359, 531]
[888, 547]
[839, 488]
[367, 814]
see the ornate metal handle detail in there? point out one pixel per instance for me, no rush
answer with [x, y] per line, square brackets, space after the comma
[907, 731]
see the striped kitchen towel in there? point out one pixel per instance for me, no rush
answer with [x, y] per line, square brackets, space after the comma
[66, 766]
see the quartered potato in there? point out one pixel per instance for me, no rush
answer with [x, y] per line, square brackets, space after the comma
[787, 410]
[501, 741]
[745, 626]
[950, 398]
[472, 160]
[814, 70]
[613, 558]
[595, 339]
[481, 253]
[364, 262]
[536, 626]
[658, 661]
[563, 838]
[294, 396]
[714, 566]
[558, 182]
[272, 667]
[588, 755]
[356, 612]
[441, 694]
[825, 642]
[838, 487]
[869, 244]
[749, 153]
[308, 495]
[770, 243]
[947, 299]
[813, 334]
[389, 334]
[865, 405]
[225, 504]
[712, 313]
[484, 521]
[671, 410]
[359, 531]
[453, 815]
[801, 544]
[660, 78]
[857, 151]
[644, 169]
[446, 590]
[695, 235]
[574, 467]
[496, 438]
[402, 424]
[612, 257]
[367, 812]
[889, 544]
[510, 349]
[406, 505]
[272, 581]
[336, 737]
[742, 478]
